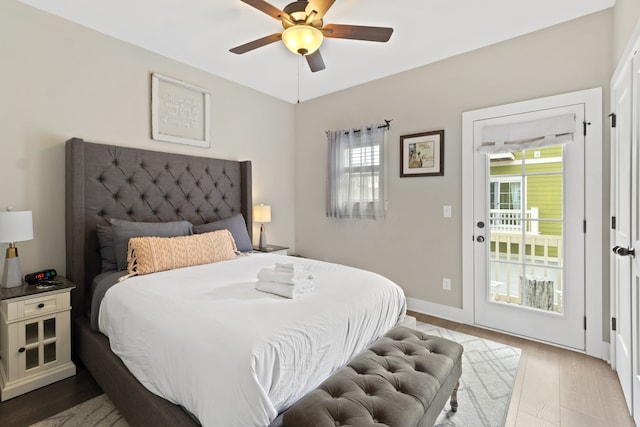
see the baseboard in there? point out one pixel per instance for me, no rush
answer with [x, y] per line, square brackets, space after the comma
[409, 322]
[600, 350]
[438, 310]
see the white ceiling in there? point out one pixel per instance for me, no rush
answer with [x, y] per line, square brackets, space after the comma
[201, 32]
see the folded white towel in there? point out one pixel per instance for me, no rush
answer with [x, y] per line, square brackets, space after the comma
[285, 290]
[291, 278]
[287, 267]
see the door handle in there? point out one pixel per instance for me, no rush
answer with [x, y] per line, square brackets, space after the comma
[619, 250]
[480, 239]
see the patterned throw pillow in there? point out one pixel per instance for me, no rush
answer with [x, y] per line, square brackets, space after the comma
[152, 254]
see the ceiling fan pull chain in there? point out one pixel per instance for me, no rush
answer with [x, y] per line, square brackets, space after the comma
[299, 59]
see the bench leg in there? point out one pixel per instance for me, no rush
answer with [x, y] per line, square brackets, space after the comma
[454, 398]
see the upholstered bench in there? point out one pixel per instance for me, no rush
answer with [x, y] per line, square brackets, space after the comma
[404, 379]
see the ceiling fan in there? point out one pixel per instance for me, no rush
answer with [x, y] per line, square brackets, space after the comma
[304, 30]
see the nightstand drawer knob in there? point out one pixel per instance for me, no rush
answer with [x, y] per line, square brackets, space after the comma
[21, 350]
[41, 305]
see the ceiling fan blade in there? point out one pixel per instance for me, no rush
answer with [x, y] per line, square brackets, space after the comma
[357, 32]
[267, 8]
[244, 48]
[315, 61]
[320, 6]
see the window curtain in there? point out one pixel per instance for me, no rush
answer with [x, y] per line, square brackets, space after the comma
[356, 173]
[526, 135]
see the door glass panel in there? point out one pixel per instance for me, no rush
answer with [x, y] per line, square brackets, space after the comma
[49, 326]
[31, 333]
[50, 352]
[526, 228]
[31, 358]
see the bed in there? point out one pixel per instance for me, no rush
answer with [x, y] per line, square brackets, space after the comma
[106, 182]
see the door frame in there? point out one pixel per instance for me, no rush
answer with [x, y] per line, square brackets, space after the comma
[635, 235]
[592, 98]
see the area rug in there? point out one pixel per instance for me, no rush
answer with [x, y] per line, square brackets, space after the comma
[488, 373]
[97, 412]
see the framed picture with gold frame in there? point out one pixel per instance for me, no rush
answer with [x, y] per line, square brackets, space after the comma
[422, 154]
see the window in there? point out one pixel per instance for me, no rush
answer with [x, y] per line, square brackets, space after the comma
[506, 210]
[362, 173]
[356, 173]
[506, 194]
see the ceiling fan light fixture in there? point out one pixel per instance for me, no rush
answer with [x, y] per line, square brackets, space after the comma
[302, 39]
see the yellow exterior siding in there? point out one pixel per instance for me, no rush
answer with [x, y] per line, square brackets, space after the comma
[543, 191]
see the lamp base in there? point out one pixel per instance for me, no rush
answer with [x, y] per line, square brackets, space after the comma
[12, 274]
[262, 244]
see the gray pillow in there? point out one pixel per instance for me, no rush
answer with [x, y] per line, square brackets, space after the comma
[107, 254]
[235, 225]
[124, 230]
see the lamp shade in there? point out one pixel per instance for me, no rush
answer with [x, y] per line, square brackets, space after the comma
[262, 213]
[302, 39]
[16, 226]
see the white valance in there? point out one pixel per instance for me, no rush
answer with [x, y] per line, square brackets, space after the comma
[530, 134]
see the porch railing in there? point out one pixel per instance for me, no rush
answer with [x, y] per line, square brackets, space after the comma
[541, 254]
[512, 220]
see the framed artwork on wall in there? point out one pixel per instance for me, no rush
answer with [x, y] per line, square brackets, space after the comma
[179, 112]
[422, 154]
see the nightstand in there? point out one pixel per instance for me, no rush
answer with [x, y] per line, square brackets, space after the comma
[35, 337]
[272, 249]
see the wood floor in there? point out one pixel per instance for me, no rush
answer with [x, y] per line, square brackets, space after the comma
[42, 403]
[553, 387]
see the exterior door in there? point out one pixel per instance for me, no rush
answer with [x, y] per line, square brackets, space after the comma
[529, 211]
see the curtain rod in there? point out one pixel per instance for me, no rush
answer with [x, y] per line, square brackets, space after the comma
[387, 124]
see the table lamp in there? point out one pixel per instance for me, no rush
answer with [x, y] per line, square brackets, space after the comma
[262, 214]
[15, 226]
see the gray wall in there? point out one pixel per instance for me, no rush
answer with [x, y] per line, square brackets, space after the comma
[625, 19]
[61, 80]
[415, 246]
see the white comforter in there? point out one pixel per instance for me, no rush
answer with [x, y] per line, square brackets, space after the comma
[204, 338]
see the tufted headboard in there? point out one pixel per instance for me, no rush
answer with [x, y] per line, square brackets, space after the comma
[107, 181]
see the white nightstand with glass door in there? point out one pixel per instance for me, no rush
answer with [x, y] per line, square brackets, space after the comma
[35, 337]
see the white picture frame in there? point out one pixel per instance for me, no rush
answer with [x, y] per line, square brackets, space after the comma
[180, 112]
